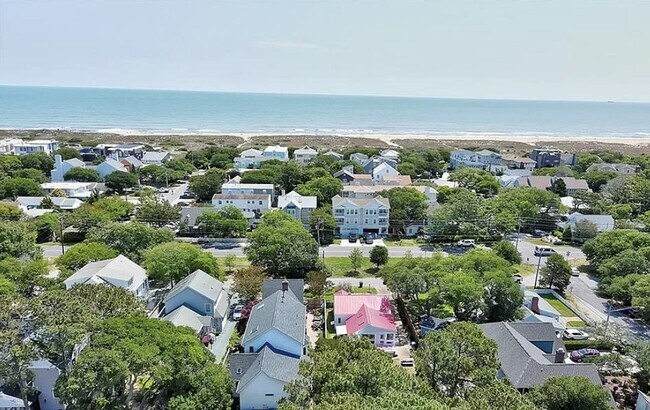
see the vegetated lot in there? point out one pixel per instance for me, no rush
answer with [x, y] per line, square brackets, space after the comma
[558, 305]
[404, 242]
[576, 323]
[341, 266]
[240, 262]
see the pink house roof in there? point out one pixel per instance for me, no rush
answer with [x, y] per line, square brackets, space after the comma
[369, 317]
[349, 304]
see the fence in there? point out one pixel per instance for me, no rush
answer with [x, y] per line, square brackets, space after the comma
[568, 304]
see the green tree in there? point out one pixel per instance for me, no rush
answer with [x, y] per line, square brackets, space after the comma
[116, 207]
[356, 259]
[497, 395]
[463, 291]
[172, 261]
[628, 262]
[611, 243]
[507, 251]
[323, 224]
[503, 297]
[14, 187]
[477, 180]
[323, 188]
[27, 277]
[227, 222]
[229, 262]
[120, 181]
[67, 153]
[79, 255]
[621, 288]
[598, 179]
[584, 230]
[559, 187]
[347, 370]
[130, 239]
[17, 240]
[282, 245]
[208, 184]
[158, 212]
[556, 273]
[570, 392]
[449, 359]
[141, 362]
[317, 281]
[39, 160]
[30, 173]
[585, 160]
[82, 175]
[407, 205]
[379, 255]
[406, 168]
[9, 164]
[9, 211]
[248, 282]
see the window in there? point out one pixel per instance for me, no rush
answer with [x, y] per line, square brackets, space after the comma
[366, 220]
[220, 202]
[269, 395]
[339, 320]
[260, 203]
[382, 336]
[208, 307]
[250, 349]
[238, 371]
[390, 336]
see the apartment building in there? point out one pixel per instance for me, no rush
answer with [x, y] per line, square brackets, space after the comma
[361, 216]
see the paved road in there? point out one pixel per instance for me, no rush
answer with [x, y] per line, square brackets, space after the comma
[174, 194]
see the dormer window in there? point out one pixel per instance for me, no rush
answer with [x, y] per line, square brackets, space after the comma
[238, 371]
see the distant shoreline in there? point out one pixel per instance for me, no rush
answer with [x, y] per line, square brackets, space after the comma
[193, 140]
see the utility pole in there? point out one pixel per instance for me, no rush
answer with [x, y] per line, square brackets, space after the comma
[539, 261]
[518, 233]
[60, 218]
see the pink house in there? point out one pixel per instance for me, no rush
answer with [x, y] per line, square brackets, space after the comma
[365, 315]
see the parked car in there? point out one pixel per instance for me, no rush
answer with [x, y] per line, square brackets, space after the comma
[467, 243]
[518, 278]
[538, 233]
[237, 311]
[368, 239]
[579, 355]
[352, 238]
[543, 251]
[575, 334]
[181, 203]
[163, 190]
[188, 195]
[630, 312]
[575, 271]
[407, 362]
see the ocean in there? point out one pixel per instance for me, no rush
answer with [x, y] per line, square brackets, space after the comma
[178, 112]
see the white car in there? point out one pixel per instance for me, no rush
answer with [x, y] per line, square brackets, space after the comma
[467, 243]
[575, 271]
[575, 334]
[236, 312]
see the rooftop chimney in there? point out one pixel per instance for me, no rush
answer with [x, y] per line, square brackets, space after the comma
[285, 287]
[559, 355]
[534, 304]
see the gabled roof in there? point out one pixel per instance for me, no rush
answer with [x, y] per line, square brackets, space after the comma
[232, 184]
[281, 311]
[487, 152]
[381, 167]
[119, 268]
[115, 164]
[360, 202]
[349, 303]
[75, 162]
[359, 156]
[573, 183]
[184, 316]
[333, 154]
[201, 283]
[274, 365]
[276, 148]
[305, 150]
[297, 200]
[133, 161]
[389, 153]
[524, 364]
[10, 402]
[599, 220]
[155, 156]
[251, 152]
[270, 286]
[370, 317]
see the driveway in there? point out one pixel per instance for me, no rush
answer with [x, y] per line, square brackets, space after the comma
[174, 194]
[220, 345]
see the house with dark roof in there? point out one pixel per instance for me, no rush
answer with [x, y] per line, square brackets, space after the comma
[260, 378]
[296, 286]
[530, 353]
[198, 301]
[273, 344]
[277, 321]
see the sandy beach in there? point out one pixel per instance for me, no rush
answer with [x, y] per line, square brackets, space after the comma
[501, 142]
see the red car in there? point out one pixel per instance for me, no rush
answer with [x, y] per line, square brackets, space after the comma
[578, 355]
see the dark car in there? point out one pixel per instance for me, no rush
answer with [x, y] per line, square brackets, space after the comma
[188, 195]
[352, 238]
[538, 233]
[369, 240]
[579, 355]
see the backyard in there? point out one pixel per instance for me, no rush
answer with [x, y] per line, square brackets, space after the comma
[563, 310]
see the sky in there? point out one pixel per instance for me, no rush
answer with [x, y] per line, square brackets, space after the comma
[547, 50]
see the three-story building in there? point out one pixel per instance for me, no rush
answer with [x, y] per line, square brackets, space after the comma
[361, 216]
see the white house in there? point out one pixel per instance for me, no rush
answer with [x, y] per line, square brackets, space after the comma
[8, 402]
[156, 157]
[45, 376]
[276, 152]
[233, 187]
[71, 189]
[298, 206]
[253, 206]
[304, 155]
[358, 157]
[260, 378]
[62, 167]
[365, 315]
[335, 155]
[390, 155]
[250, 159]
[198, 301]
[603, 222]
[131, 163]
[119, 271]
[485, 159]
[27, 203]
[7, 145]
[277, 321]
[361, 216]
[516, 162]
[109, 166]
[34, 146]
[383, 172]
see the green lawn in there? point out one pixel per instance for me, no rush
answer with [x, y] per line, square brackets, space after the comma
[524, 269]
[329, 323]
[239, 262]
[403, 242]
[340, 267]
[558, 305]
[576, 323]
[540, 242]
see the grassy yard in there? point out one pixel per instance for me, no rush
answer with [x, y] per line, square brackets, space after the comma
[329, 323]
[558, 305]
[540, 242]
[576, 323]
[403, 242]
[524, 269]
[240, 263]
[340, 267]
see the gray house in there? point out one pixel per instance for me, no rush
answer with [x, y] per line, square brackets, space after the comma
[45, 376]
[530, 353]
[199, 301]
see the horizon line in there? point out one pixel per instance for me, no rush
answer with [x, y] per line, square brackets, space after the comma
[322, 94]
